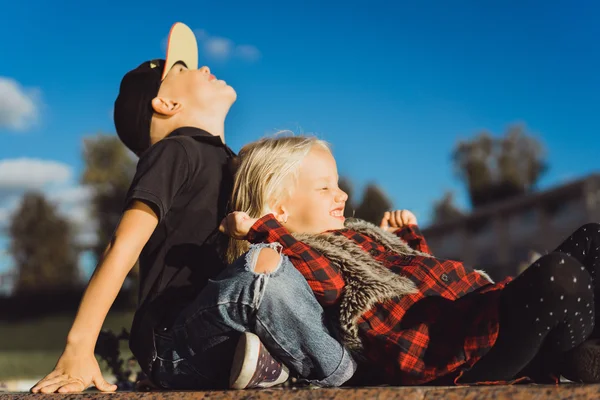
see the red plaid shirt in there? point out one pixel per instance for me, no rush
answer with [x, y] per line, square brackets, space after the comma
[444, 328]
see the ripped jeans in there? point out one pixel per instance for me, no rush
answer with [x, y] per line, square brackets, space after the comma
[279, 307]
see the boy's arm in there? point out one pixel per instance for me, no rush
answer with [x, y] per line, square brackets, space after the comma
[77, 367]
[323, 278]
[161, 173]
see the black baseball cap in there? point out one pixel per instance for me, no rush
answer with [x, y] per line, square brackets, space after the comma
[133, 107]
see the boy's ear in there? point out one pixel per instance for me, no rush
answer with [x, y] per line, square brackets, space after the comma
[167, 107]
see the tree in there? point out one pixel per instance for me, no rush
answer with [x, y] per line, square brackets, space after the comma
[109, 169]
[42, 246]
[373, 205]
[444, 210]
[521, 159]
[494, 169]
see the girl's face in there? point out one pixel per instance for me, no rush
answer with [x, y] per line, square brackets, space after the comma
[317, 203]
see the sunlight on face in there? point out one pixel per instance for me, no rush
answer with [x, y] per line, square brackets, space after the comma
[317, 203]
[197, 89]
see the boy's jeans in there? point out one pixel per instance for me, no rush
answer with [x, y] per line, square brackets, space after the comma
[278, 307]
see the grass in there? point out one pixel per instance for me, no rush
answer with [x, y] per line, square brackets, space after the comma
[30, 349]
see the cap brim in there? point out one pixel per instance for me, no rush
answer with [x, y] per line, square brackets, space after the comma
[182, 47]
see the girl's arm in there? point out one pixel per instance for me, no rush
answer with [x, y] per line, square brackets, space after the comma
[77, 367]
[323, 278]
[403, 224]
[412, 235]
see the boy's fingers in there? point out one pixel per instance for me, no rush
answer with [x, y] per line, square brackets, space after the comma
[72, 386]
[52, 388]
[53, 381]
[104, 386]
[54, 374]
[42, 384]
[36, 387]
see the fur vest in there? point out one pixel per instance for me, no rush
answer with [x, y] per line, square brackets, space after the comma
[367, 281]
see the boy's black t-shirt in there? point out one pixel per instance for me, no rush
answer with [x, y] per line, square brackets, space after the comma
[187, 179]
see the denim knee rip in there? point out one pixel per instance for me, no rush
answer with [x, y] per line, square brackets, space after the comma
[262, 279]
[252, 256]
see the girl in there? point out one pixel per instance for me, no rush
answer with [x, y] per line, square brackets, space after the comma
[410, 317]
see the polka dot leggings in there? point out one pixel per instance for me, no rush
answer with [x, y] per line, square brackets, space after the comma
[546, 311]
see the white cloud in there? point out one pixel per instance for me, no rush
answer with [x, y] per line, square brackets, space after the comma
[53, 179]
[83, 223]
[87, 238]
[74, 202]
[247, 52]
[72, 195]
[217, 48]
[20, 174]
[201, 35]
[19, 107]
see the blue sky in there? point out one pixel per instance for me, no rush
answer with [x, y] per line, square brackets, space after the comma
[392, 85]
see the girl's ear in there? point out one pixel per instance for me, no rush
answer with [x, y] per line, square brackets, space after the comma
[166, 106]
[280, 213]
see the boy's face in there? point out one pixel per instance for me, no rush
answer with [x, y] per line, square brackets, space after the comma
[317, 203]
[197, 89]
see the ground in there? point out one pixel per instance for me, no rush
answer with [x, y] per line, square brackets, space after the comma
[35, 346]
[519, 392]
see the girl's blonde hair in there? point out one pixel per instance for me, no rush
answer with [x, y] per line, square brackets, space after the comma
[267, 173]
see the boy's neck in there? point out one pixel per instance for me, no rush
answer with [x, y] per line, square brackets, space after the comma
[214, 127]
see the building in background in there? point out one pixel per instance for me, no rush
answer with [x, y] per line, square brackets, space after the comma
[501, 237]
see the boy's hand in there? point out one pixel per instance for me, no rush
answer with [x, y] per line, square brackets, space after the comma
[394, 220]
[74, 373]
[237, 225]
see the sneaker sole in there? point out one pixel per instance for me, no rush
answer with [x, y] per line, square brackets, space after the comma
[245, 360]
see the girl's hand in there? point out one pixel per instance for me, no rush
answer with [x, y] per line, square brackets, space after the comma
[74, 372]
[394, 220]
[237, 225]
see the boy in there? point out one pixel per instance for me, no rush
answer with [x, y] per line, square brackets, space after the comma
[172, 116]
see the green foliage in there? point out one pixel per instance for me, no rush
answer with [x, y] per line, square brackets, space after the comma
[33, 346]
[444, 210]
[496, 168]
[373, 205]
[109, 169]
[42, 246]
[126, 371]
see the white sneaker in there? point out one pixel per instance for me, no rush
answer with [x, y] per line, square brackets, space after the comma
[254, 367]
